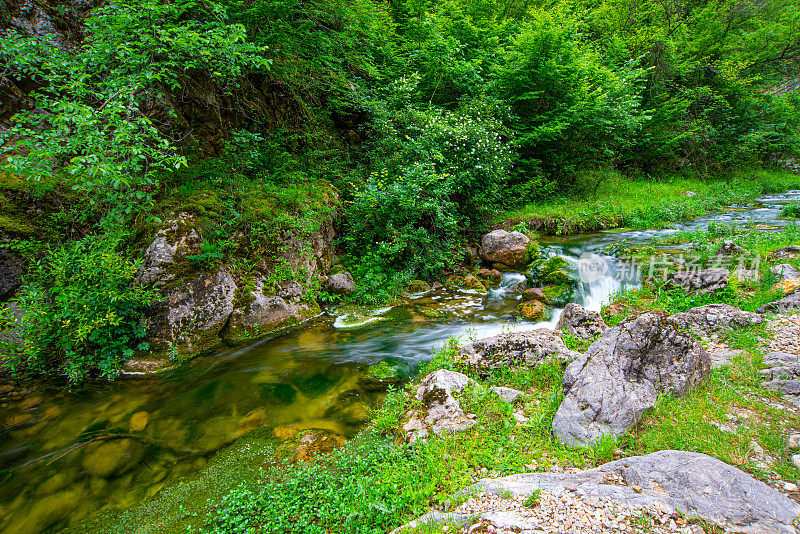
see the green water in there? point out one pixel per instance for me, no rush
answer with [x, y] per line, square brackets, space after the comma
[145, 454]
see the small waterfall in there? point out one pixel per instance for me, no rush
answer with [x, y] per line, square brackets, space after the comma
[509, 281]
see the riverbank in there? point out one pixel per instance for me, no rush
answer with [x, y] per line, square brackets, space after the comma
[608, 200]
[379, 481]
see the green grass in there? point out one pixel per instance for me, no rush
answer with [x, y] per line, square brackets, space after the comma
[642, 203]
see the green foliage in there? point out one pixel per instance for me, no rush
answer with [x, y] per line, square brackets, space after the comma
[791, 211]
[439, 173]
[95, 121]
[82, 313]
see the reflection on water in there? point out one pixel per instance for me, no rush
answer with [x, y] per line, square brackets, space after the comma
[64, 456]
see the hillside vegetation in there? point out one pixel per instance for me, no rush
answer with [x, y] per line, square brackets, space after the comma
[430, 119]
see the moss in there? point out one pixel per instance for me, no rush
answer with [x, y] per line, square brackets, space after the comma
[532, 310]
[381, 376]
[418, 286]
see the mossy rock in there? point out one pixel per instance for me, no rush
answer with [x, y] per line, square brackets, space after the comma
[353, 321]
[307, 444]
[534, 251]
[559, 296]
[553, 264]
[381, 376]
[558, 278]
[418, 286]
[532, 310]
[471, 282]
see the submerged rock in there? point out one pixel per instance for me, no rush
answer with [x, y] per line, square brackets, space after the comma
[706, 320]
[514, 350]
[609, 388]
[111, 457]
[380, 377]
[693, 484]
[580, 323]
[505, 250]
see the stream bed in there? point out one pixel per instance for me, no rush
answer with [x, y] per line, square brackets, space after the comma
[309, 378]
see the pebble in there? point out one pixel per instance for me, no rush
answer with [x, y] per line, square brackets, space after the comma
[796, 460]
[566, 511]
[790, 487]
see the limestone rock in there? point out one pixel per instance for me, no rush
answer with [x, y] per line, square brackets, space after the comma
[340, 284]
[10, 274]
[705, 320]
[695, 484]
[172, 244]
[580, 323]
[786, 253]
[788, 303]
[703, 281]
[518, 349]
[442, 412]
[609, 388]
[784, 272]
[261, 313]
[191, 315]
[507, 394]
[506, 250]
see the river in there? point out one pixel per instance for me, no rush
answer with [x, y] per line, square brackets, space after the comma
[308, 378]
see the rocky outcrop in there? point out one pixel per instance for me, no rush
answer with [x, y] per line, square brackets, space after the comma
[609, 388]
[518, 349]
[166, 257]
[788, 303]
[191, 316]
[700, 282]
[781, 365]
[580, 323]
[260, 312]
[10, 274]
[505, 250]
[786, 253]
[784, 272]
[706, 320]
[692, 484]
[340, 284]
[441, 411]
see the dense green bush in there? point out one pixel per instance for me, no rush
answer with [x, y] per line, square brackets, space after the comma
[82, 313]
[438, 173]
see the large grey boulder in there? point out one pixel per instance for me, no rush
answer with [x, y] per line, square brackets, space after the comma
[441, 411]
[706, 320]
[505, 250]
[10, 274]
[578, 322]
[518, 349]
[264, 311]
[609, 388]
[340, 284]
[694, 484]
[789, 303]
[784, 272]
[191, 315]
[702, 281]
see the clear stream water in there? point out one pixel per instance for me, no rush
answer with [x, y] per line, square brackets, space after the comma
[304, 379]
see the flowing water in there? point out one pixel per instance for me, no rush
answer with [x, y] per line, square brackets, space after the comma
[52, 476]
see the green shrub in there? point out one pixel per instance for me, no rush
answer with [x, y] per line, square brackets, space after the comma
[82, 313]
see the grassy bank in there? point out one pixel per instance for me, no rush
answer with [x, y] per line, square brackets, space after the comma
[607, 199]
[377, 482]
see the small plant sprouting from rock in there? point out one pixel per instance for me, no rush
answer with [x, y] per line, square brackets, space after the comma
[533, 499]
